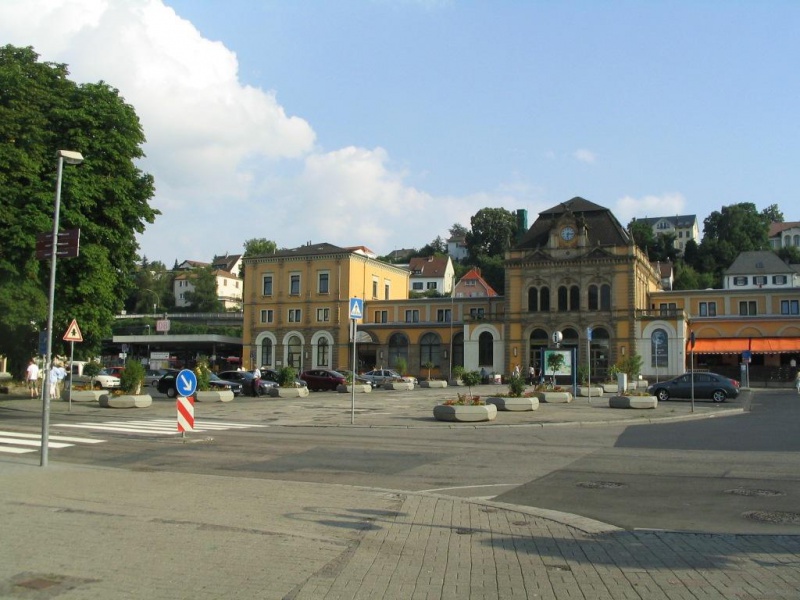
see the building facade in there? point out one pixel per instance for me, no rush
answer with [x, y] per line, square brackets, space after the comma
[683, 227]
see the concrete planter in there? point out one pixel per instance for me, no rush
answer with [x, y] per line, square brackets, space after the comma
[610, 388]
[83, 395]
[456, 382]
[596, 392]
[554, 397]
[465, 413]
[214, 396]
[398, 385]
[632, 402]
[288, 392]
[360, 388]
[434, 383]
[125, 401]
[514, 404]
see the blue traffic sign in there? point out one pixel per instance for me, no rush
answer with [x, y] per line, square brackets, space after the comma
[356, 308]
[186, 382]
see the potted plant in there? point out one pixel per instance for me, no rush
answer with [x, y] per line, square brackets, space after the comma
[458, 375]
[585, 389]
[611, 385]
[90, 392]
[516, 399]
[431, 383]
[130, 383]
[553, 393]
[204, 392]
[363, 388]
[467, 408]
[287, 385]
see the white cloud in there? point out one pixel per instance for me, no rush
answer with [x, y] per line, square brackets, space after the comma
[586, 156]
[667, 204]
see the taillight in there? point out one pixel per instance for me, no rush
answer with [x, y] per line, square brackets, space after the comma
[735, 383]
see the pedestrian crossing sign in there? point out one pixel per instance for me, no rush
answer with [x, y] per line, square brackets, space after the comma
[356, 308]
[73, 333]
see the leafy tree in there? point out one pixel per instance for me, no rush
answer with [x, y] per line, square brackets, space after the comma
[437, 247]
[132, 377]
[773, 213]
[493, 232]
[204, 297]
[493, 271]
[789, 254]
[642, 234]
[42, 111]
[687, 278]
[458, 230]
[259, 246]
[470, 379]
[555, 362]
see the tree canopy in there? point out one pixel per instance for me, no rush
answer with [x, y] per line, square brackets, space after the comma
[204, 298]
[107, 197]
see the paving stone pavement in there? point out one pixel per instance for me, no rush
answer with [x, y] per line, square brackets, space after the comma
[77, 532]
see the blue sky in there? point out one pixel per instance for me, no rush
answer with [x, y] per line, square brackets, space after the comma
[383, 122]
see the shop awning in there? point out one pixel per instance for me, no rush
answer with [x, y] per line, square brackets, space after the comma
[766, 345]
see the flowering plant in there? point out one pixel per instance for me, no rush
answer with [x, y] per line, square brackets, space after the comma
[465, 400]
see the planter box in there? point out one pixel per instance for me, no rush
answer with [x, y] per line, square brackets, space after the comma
[288, 392]
[514, 404]
[214, 396]
[125, 401]
[554, 397]
[465, 414]
[456, 382]
[360, 388]
[632, 402]
[398, 385]
[596, 392]
[435, 383]
[83, 395]
[610, 388]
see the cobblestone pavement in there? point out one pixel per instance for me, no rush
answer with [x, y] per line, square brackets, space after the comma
[77, 532]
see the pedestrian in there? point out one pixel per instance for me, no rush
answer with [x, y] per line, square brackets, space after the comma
[54, 380]
[531, 375]
[256, 382]
[32, 377]
[797, 382]
[516, 370]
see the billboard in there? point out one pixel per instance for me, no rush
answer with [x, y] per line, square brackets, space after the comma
[566, 368]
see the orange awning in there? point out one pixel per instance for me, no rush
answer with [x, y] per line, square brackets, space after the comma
[767, 345]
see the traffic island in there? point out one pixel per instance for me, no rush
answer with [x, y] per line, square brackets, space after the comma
[514, 404]
[632, 402]
[125, 401]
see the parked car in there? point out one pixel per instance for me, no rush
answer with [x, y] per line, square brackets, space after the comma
[381, 376]
[151, 376]
[272, 375]
[103, 379]
[166, 385]
[245, 379]
[359, 379]
[115, 371]
[706, 385]
[323, 379]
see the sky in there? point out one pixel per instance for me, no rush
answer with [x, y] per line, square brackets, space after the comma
[382, 123]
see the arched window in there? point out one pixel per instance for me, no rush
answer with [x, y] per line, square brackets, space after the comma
[574, 298]
[544, 299]
[486, 349]
[599, 353]
[430, 349]
[570, 337]
[594, 297]
[266, 352]
[797, 240]
[398, 349]
[533, 299]
[294, 352]
[605, 297]
[659, 349]
[323, 353]
[562, 298]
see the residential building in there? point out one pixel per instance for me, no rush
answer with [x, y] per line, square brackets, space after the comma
[457, 247]
[231, 263]
[759, 270]
[229, 289]
[784, 235]
[683, 227]
[431, 273]
[472, 285]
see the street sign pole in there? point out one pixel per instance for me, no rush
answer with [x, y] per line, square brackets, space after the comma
[356, 312]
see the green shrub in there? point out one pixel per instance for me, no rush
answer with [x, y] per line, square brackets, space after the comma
[286, 376]
[131, 379]
[91, 369]
[516, 385]
[458, 372]
[402, 366]
[203, 374]
[471, 378]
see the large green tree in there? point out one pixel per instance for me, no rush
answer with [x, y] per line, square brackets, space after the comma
[205, 296]
[107, 197]
[493, 232]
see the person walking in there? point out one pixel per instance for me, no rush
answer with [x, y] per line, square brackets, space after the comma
[32, 378]
[256, 382]
[797, 381]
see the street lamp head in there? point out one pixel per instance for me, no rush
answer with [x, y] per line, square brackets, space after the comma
[70, 157]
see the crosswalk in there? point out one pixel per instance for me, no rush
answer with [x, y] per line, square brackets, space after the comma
[13, 442]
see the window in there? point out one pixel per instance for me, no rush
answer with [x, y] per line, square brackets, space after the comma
[431, 285]
[294, 315]
[416, 286]
[381, 316]
[605, 297]
[574, 298]
[562, 298]
[741, 280]
[375, 288]
[485, 349]
[267, 285]
[708, 309]
[323, 314]
[533, 299]
[760, 280]
[386, 289]
[443, 315]
[429, 349]
[594, 298]
[476, 313]
[544, 299]
[412, 316]
[294, 285]
[294, 352]
[398, 349]
[790, 307]
[747, 307]
[324, 283]
[668, 309]
[471, 282]
[323, 353]
[266, 351]
[267, 315]
[779, 279]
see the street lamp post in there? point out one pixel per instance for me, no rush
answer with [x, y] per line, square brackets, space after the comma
[155, 304]
[71, 158]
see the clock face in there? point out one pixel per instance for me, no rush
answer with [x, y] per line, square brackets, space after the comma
[567, 234]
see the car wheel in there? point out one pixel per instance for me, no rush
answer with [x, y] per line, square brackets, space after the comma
[662, 394]
[171, 392]
[719, 396]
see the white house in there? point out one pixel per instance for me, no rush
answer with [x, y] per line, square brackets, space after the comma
[431, 273]
[761, 269]
[684, 227]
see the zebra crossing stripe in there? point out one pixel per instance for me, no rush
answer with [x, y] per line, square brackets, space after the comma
[58, 438]
[158, 426]
[22, 443]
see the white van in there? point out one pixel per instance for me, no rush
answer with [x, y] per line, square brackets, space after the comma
[102, 379]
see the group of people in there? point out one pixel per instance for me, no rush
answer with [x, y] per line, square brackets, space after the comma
[33, 374]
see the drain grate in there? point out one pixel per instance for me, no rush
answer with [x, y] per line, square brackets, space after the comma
[777, 517]
[754, 492]
[600, 485]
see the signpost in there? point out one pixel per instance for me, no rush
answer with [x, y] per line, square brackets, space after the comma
[72, 335]
[185, 385]
[356, 313]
